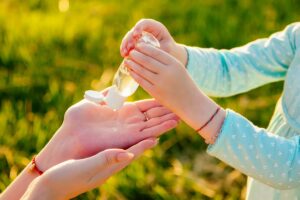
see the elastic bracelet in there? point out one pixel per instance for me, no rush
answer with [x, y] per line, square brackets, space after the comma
[34, 167]
[187, 56]
[213, 138]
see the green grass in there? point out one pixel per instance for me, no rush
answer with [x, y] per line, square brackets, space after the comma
[49, 58]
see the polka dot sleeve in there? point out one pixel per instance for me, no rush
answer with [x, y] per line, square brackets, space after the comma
[271, 159]
[228, 72]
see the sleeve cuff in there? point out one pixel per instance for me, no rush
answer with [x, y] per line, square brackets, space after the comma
[191, 64]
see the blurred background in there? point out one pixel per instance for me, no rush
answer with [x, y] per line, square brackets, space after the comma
[52, 51]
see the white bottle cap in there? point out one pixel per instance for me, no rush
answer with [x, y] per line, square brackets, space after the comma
[114, 99]
[94, 96]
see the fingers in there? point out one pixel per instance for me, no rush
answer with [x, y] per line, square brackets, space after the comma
[145, 73]
[147, 104]
[110, 157]
[148, 25]
[107, 158]
[157, 112]
[135, 150]
[87, 172]
[141, 81]
[142, 146]
[146, 61]
[127, 43]
[159, 120]
[158, 130]
[156, 53]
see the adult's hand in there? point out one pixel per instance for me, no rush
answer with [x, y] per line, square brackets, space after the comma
[89, 128]
[71, 178]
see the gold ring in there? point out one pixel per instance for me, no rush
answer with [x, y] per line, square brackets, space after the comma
[146, 116]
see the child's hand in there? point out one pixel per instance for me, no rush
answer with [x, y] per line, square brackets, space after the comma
[167, 43]
[164, 77]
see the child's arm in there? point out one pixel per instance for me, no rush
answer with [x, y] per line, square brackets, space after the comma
[229, 72]
[271, 159]
[241, 144]
[226, 72]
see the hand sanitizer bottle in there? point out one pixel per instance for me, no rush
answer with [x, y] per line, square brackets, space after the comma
[123, 84]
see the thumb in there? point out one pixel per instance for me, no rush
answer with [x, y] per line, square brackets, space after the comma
[100, 166]
[151, 26]
[109, 157]
[147, 25]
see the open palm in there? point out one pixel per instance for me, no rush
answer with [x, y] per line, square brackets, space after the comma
[93, 128]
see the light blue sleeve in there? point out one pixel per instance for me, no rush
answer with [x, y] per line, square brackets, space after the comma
[229, 72]
[271, 159]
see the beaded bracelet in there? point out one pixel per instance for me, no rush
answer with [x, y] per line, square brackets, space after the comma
[34, 167]
[214, 137]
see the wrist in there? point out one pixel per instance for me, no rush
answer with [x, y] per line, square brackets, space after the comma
[211, 131]
[207, 114]
[55, 152]
[180, 53]
[203, 107]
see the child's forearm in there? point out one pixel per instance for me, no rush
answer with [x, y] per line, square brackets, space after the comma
[202, 106]
[200, 110]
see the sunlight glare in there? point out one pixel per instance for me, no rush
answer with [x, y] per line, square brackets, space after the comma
[63, 5]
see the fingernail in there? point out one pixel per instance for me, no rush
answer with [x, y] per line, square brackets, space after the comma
[125, 156]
